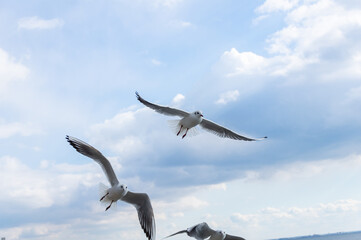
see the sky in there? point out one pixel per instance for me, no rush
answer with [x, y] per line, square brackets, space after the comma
[286, 69]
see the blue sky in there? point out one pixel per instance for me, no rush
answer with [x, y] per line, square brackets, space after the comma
[288, 69]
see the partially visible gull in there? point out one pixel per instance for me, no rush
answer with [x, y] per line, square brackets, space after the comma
[202, 231]
[190, 120]
[119, 191]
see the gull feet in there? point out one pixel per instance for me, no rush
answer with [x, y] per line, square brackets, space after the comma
[109, 206]
[103, 197]
[180, 130]
[185, 133]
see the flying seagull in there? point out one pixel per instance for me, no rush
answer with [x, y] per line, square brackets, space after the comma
[190, 120]
[119, 191]
[202, 231]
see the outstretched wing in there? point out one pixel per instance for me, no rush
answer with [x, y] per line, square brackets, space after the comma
[230, 237]
[161, 109]
[182, 231]
[224, 132]
[93, 153]
[144, 208]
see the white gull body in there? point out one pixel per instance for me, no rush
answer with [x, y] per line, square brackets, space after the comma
[119, 191]
[202, 231]
[190, 120]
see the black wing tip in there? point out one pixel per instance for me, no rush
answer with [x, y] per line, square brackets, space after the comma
[137, 95]
[67, 137]
[259, 139]
[179, 232]
[149, 235]
[265, 137]
[71, 142]
[74, 142]
[70, 139]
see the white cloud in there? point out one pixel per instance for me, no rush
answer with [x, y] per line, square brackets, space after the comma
[314, 219]
[277, 5]
[35, 188]
[177, 208]
[11, 70]
[319, 211]
[180, 24]
[178, 99]
[305, 170]
[167, 3]
[317, 35]
[259, 19]
[230, 96]
[16, 128]
[178, 214]
[113, 224]
[191, 202]
[42, 230]
[243, 63]
[35, 22]
[156, 62]
[126, 133]
[219, 186]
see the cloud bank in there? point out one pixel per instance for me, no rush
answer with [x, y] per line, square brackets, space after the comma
[33, 23]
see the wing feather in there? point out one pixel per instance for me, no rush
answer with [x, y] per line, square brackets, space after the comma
[181, 231]
[162, 109]
[224, 132]
[230, 237]
[91, 152]
[144, 208]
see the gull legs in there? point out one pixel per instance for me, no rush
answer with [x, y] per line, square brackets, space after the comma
[185, 133]
[104, 197]
[110, 202]
[109, 205]
[180, 130]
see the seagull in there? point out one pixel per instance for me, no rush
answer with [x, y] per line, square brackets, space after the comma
[118, 191]
[190, 120]
[202, 231]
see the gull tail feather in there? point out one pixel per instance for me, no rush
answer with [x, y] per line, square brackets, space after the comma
[105, 201]
[103, 190]
[192, 132]
[175, 126]
[182, 231]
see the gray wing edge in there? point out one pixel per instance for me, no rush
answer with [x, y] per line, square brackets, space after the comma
[162, 109]
[141, 202]
[224, 132]
[230, 237]
[91, 152]
[181, 231]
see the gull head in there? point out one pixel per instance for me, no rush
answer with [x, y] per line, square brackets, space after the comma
[220, 234]
[198, 114]
[123, 190]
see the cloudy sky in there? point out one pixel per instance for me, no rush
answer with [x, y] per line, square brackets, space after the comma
[288, 69]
